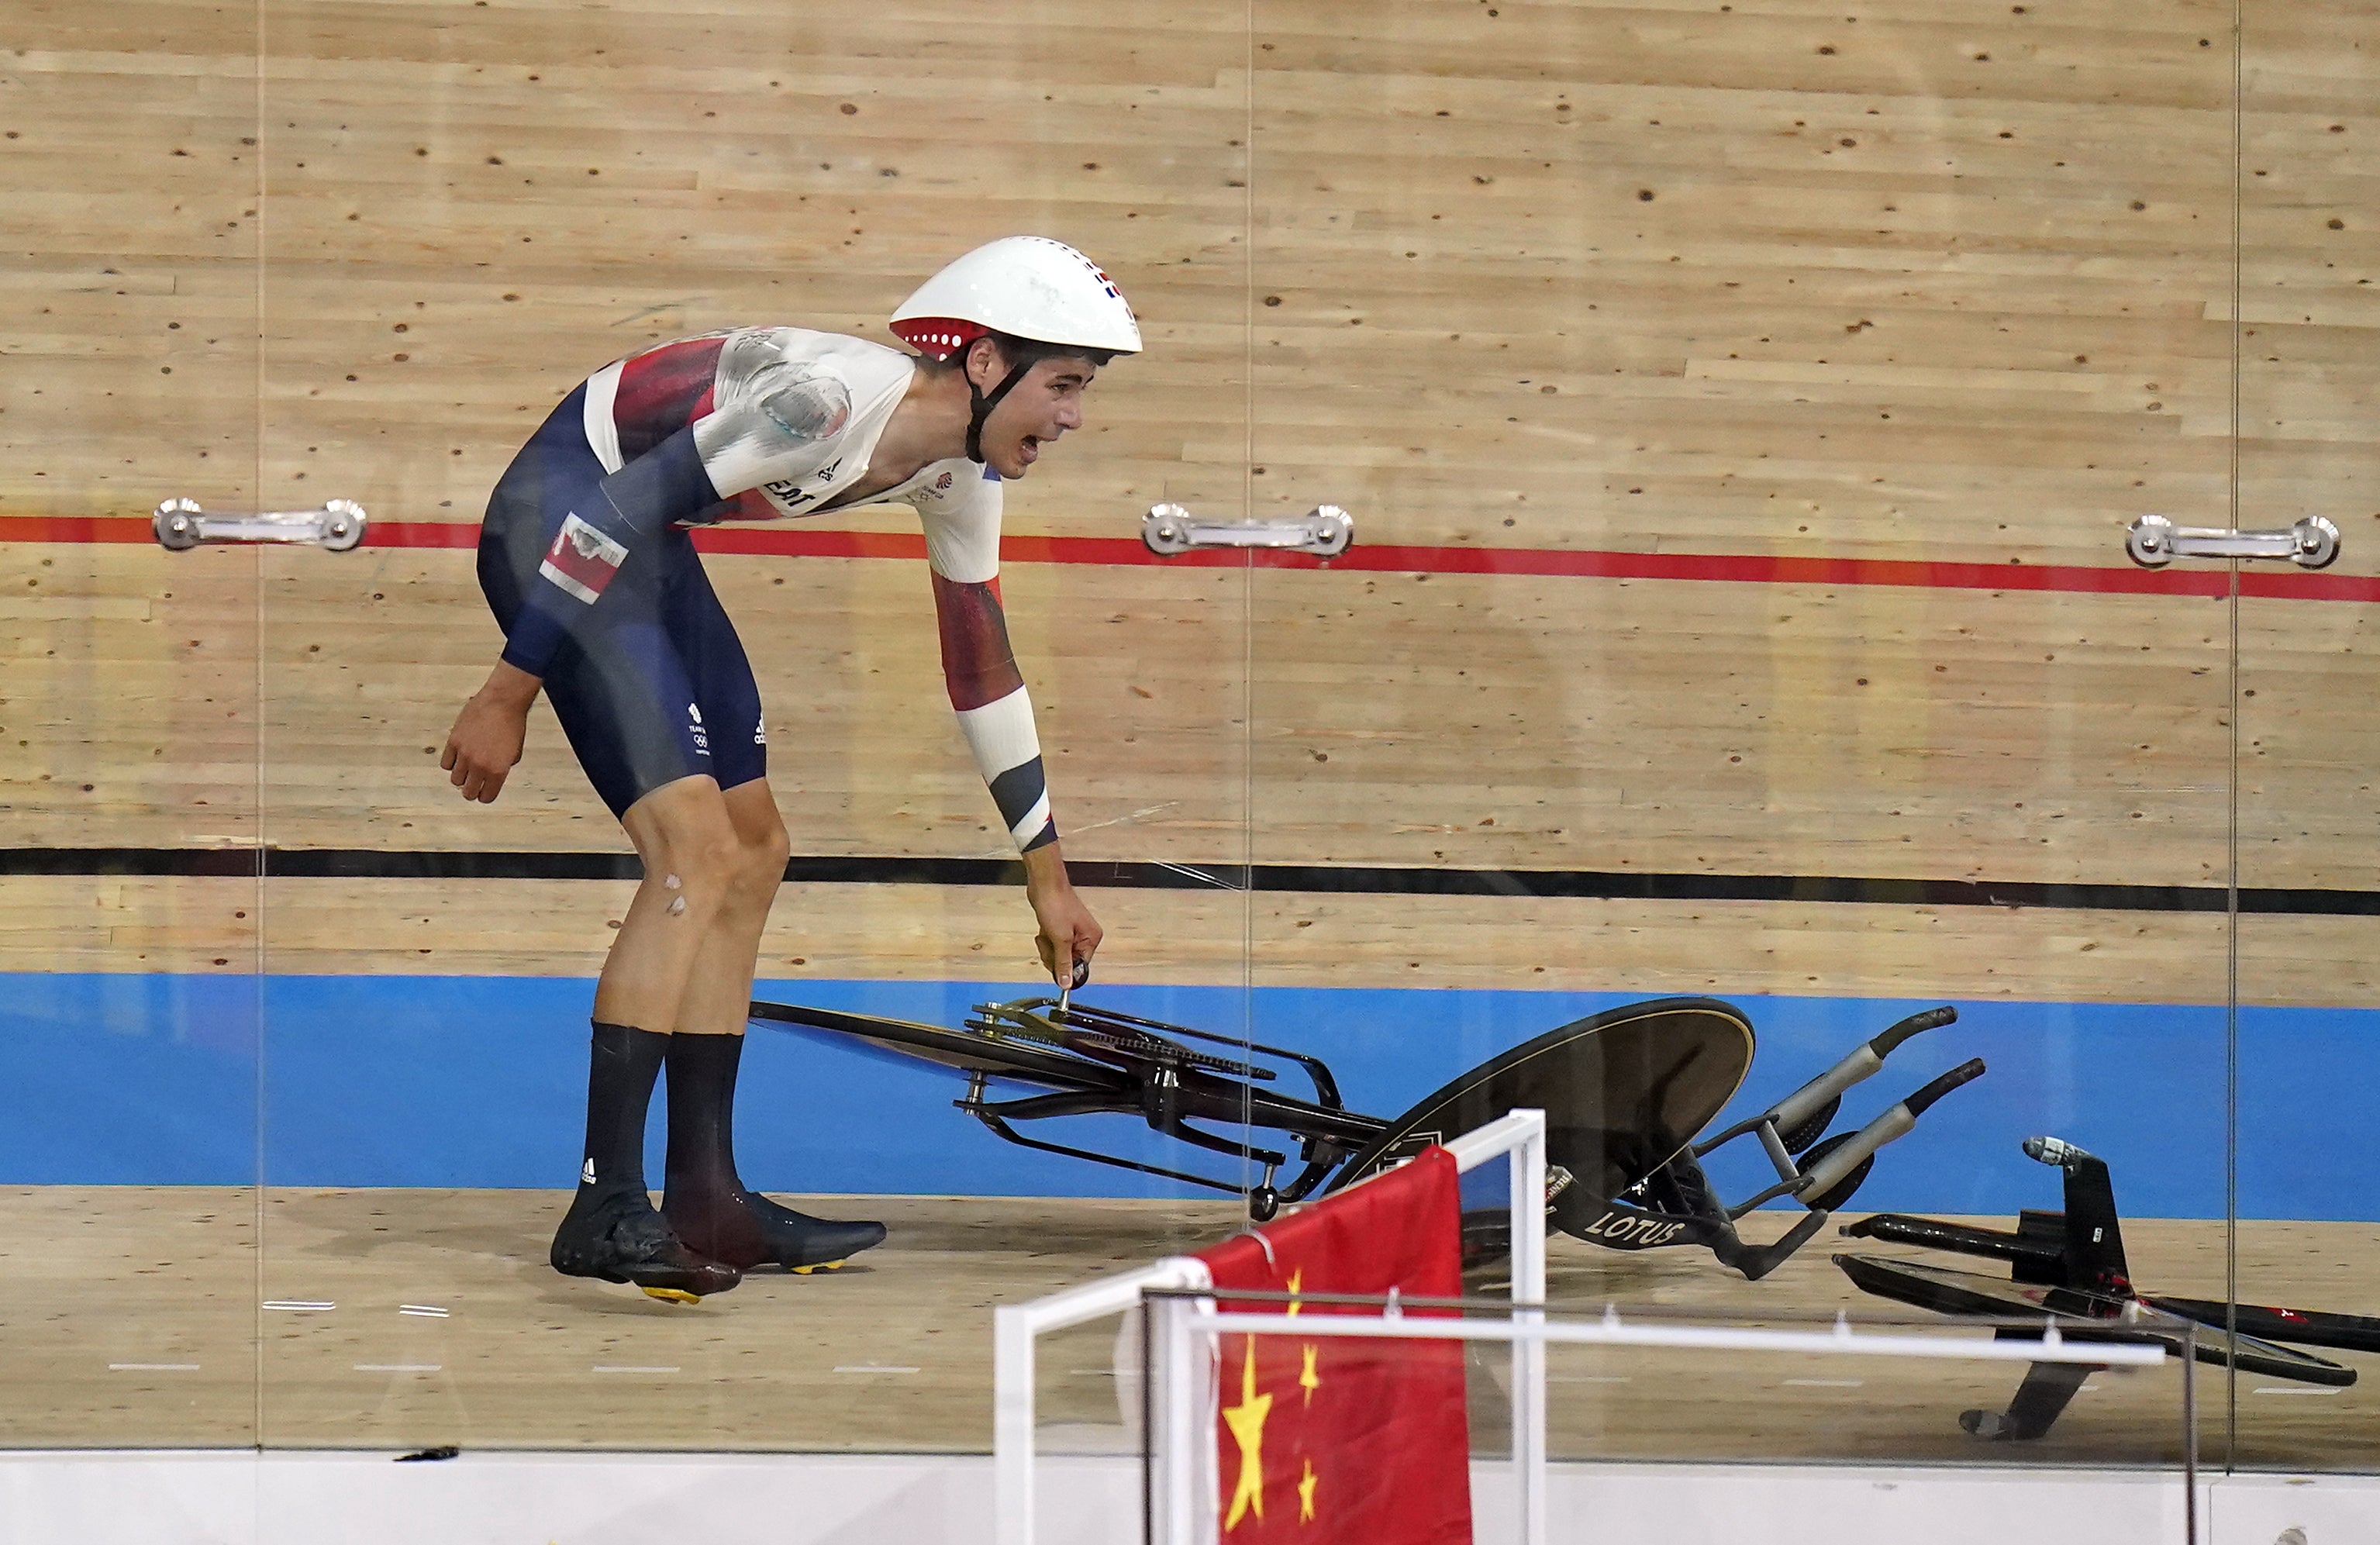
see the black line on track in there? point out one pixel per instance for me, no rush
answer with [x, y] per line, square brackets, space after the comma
[349, 863]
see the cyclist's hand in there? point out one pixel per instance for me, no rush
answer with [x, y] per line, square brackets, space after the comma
[485, 744]
[1069, 934]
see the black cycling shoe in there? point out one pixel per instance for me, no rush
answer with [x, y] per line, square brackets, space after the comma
[744, 1229]
[621, 1239]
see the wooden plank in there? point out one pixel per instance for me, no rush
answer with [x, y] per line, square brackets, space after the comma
[1667, 726]
[895, 1352]
[964, 934]
[1955, 336]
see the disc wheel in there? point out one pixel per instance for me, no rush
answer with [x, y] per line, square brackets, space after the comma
[1623, 1092]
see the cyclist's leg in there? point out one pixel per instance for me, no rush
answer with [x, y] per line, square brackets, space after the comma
[623, 700]
[693, 865]
[707, 1202]
[629, 701]
[622, 696]
[720, 991]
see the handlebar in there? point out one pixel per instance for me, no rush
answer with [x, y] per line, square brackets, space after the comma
[1864, 1062]
[1823, 1175]
[1966, 1073]
[1916, 1023]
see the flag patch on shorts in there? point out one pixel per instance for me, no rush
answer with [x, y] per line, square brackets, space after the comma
[582, 559]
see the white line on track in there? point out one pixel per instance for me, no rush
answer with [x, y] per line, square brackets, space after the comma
[873, 1367]
[2277, 1389]
[153, 1367]
[299, 1305]
[429, 1311]
[635, 1368]
[396, 1367]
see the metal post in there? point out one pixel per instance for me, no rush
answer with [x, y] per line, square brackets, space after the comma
[2190, 1437]
[1012, 1426]
[1015, 1328]
[1528, 1364]
[1176, 1439]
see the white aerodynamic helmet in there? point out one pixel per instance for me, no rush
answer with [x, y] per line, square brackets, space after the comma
[1027, 287]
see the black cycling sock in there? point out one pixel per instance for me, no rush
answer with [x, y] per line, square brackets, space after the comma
[622, 1064]
[703, 1115]
[705, 1201]
[707, 1204]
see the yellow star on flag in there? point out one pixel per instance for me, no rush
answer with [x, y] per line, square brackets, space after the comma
[1305, 1495]
[1307, 1378]
[1248, 1423]
[1296, 1283]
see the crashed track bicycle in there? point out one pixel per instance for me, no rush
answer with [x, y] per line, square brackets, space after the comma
[1625, 1092]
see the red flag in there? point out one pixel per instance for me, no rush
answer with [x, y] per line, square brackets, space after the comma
[1334, 1440]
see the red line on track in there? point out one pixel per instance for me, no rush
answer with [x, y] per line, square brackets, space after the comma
[1539, 562]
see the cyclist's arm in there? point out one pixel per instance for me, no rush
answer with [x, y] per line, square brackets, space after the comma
[625, 510]
[987, 690]
[775, 419]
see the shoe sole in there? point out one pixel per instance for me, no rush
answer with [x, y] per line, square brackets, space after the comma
[671, 1295]
[821, 1266]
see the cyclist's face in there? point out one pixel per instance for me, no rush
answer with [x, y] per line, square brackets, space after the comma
[1043, 406]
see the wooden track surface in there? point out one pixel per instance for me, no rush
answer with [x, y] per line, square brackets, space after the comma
[557, 928]
[1924, 283]
[1944, 280]
[162, 1341]
[1687, 274]
[1473, 721]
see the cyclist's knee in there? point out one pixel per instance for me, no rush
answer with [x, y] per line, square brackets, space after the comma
[712, 860]
[761, 835]
[764, 853]
[699, 877]
[689, 844]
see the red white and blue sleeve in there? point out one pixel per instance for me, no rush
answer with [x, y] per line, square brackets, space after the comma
[987, 690]
[686, 426]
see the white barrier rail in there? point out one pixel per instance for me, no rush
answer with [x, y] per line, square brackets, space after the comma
[1518, 1136]
[1014, 1329]
[1187, 1326]
[1612, 1330]
[1190, 1328]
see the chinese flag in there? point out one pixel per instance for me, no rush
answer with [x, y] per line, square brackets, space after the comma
[1335, 1441]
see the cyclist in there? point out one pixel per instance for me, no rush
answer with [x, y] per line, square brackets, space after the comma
[585, 558]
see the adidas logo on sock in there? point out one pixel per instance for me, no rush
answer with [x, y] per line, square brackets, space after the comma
[587, 1176]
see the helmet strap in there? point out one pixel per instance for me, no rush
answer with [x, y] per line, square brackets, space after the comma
[982, 405]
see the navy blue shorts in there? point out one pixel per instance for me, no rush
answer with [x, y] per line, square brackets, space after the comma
[652, 685]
